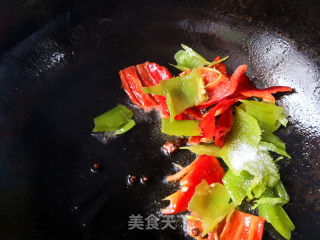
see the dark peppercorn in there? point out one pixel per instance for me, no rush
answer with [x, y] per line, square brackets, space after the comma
[144, 179]
[96, 166]
[132, 179]
[195, 232]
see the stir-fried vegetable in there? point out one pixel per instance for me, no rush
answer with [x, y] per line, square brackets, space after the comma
[204, 149]
[211, 204]
[275, 214]
[243, 226]
[181, 92]
[117, 120]
[204, 167]
[212, 107]
[181, 127]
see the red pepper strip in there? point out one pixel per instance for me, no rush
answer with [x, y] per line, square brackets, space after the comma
[246, 89]
[178, 201]
[204, 167]
[208, 122]
[221, 67]
[194, 140]
[210, 77]
[224, 89]
[193, 112]
[145, 79]
[128, 91]
[223, 127]
[194, 228]
[132, 79]
[159, 73]
[189, 114]
[243, 226]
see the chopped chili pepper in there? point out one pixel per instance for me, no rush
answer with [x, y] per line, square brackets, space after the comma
[223, 127]
[181, 92]
[224, 89]
[207, 123]
[211, 204]
[243, 226]
[246, 89]
[194, 228]
[178, 201]
[221, 67]
[194, 140]
[204, 167]
[145, 75]
[117, 120]
[159, 73]
[130, 76]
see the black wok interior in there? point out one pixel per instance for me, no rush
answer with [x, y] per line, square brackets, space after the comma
[59, 63]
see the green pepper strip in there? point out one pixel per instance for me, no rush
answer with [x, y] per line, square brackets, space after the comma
[275, 215]
[117, 119]
[181, 127]
[204, 149]
[273, 148]
[181, 92]
[237, 186]
[268, 115]
[211, 204]
[126, 127]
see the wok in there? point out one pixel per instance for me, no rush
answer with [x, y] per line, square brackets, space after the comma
[59, 63]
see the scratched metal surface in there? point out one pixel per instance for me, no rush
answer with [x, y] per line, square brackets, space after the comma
[61, 70]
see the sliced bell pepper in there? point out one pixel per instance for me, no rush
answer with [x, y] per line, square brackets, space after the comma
[246, 89]
[181, 92]
[275, 215]
[189, 59]
[223, 127]
[159, 73]
[193, 140]
[268, 115]
[275, 140]
[178, 201]
[272, 196]
[118, 120]
[207, 123]
[204, 167]
[271, 147]
[210, 204]
[243, 226]
[125, 128]
[237, 186]
[145, 75]
[224, 89]
[241, 150]
[204, 149]
[221, 67]
[181, 127]
[194, 228]
[133, 87]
